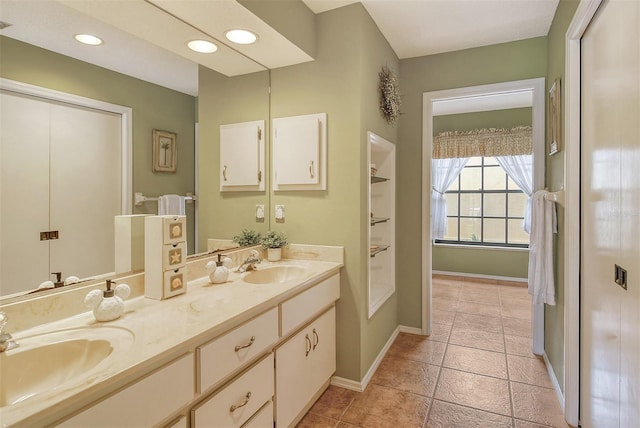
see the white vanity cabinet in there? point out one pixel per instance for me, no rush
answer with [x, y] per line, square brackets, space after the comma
[242, 156]
[146, 402]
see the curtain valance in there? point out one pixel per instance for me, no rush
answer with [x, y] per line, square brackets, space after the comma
[483, 142]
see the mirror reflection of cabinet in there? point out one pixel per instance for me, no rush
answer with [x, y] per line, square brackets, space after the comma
[300, 152]
[382, 159]
[242, 156]
[46, 146]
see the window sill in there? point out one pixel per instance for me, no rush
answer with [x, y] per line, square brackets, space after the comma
[481, 247]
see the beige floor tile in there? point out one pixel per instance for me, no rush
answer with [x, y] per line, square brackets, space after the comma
[445, 304]
[516, 327]
[407, 375]
[480, 288]
[517, 284]
[519, 345]
[453, 416]
[512, 302]
[440, 332]
[333, 402]
[417, 348]
[478, 322]
[480, 297]
[445, 293]
[478, 309]
[536, 404]
[442, 317]
[477, 339]
[514, 292]
[383, 407]
[516, 311]
[472, 390]
[312, 420]
[528, 370]
[525, 424]
[476, 361]
[487, 281]
[346, 425]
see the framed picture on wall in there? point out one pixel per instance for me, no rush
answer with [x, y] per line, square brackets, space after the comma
[165, 151]
[554, 119]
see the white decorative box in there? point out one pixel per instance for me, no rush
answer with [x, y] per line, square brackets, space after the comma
[165, 254]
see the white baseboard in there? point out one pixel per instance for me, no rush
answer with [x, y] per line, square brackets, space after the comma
[362, 385]
[554, 380]
[477, 275]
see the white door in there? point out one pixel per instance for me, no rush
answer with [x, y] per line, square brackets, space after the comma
[610, 204]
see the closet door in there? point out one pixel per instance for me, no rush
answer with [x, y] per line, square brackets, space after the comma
[24, 192]
[85, 143]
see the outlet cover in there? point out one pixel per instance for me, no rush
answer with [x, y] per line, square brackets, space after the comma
[260, 213]
[279, 214]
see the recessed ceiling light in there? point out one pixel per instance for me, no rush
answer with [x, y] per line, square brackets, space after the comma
[88, 39]
[202, 46]
[242, 37]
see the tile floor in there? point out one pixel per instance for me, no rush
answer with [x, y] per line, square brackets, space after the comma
[475, 370]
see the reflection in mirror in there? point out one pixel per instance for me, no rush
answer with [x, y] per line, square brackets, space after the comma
[155, 106]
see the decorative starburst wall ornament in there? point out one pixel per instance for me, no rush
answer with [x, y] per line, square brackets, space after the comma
[389, 95]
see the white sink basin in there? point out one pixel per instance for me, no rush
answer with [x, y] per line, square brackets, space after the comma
[274, 274]
[46, 362]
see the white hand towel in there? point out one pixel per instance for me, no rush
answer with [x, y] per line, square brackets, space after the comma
[171, 205]
[543, 226]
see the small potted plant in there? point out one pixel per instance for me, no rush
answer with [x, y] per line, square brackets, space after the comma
[273, 242]
[247, 237]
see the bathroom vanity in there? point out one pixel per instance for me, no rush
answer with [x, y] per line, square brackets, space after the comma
[257, 349]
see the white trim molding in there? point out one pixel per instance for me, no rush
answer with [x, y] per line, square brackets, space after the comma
[581, 19]
[554, 380]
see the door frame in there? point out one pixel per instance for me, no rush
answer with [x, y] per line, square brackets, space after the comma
[126, 128]
[581, 20]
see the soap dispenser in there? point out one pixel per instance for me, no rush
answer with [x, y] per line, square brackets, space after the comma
[107, 304]
[218, 272]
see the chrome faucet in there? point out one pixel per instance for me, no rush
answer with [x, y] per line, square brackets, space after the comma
[5, 338]
[251, 262]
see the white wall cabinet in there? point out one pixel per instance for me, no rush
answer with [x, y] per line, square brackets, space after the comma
[381, 213]
[242, 156]
[300, 152]
[304, 364]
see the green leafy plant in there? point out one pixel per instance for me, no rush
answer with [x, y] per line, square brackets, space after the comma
[247, 237]
[274, 240]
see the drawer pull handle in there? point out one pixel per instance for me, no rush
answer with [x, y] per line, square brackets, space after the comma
[316, 339]
[306, 337]
[235, 407]
[239, 347]
[311, 174]
[224, 173]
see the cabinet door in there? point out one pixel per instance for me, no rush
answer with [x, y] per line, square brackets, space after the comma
[24, 191]
[303, 365]
[242, 156]
[299, 152]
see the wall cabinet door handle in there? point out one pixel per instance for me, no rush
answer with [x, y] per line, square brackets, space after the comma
[311, 170]
[306, 337]
[224, 173]
[235, 407]
[239, 347]
[316, 339]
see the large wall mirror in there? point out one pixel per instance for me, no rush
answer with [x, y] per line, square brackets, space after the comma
[187, 94]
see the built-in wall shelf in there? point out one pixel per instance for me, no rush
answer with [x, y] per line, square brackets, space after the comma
[376, 220]
[376, 179]
[377, 249]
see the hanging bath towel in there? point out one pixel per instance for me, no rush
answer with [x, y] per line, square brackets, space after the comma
[543, 226]
[171, 205]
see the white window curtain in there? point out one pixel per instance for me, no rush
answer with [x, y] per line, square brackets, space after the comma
[520, 169]
[443, 173]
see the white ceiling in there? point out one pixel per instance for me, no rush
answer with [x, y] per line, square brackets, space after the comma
[147, 38]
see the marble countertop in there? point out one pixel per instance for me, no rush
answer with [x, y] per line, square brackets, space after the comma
[155, 333]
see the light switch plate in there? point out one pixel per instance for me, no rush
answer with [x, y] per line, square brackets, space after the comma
[279, 214]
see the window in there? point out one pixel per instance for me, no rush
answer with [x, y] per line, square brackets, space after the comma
[485, 207]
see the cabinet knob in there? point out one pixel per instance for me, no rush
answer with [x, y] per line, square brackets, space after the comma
[235, 407]
[239, 347]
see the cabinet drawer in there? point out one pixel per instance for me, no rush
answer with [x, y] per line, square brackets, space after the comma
[174, 256]
[229, 352]
[262, 419]
[174, 229]
[303, 307]
[145, 403]
[174, 282]
[237, 402]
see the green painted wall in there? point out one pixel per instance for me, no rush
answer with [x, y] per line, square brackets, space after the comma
[154, 107]
[342, 81]
[519, 60]
[493, 262]
[554, 315]
[225, 100]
